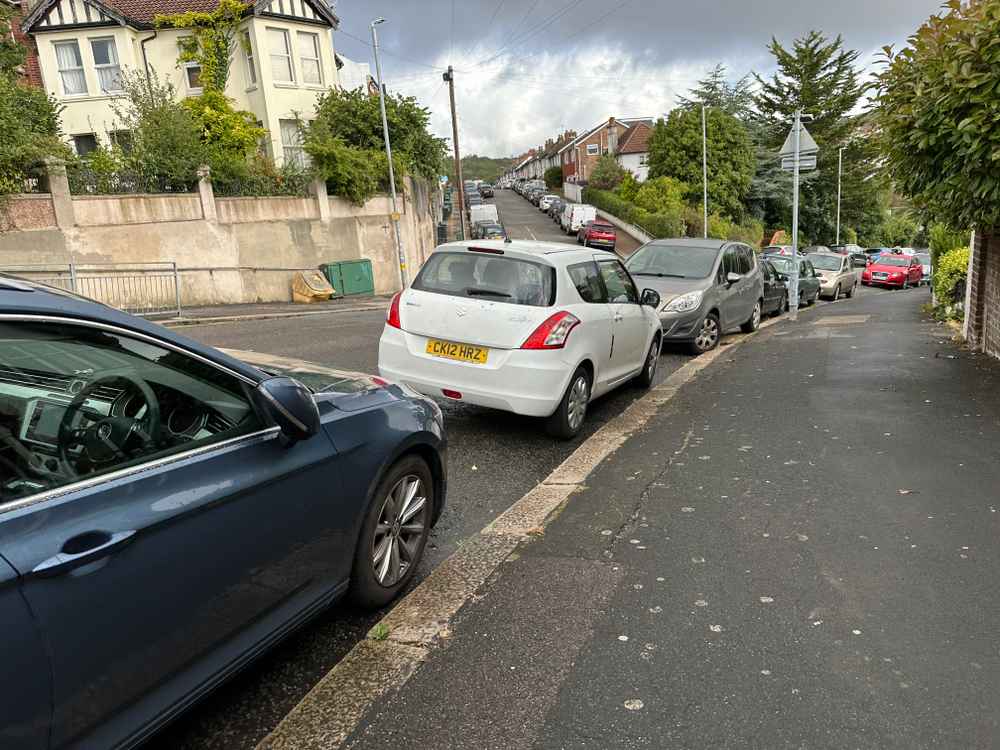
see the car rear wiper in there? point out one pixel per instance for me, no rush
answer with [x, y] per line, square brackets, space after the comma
[661, 275]
[490, 292]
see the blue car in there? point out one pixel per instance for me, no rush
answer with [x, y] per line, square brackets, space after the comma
[169, 511]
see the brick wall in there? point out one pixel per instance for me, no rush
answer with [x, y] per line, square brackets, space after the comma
[983, 308]
[31, 72]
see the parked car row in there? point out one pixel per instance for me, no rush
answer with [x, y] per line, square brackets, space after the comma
[570, 217]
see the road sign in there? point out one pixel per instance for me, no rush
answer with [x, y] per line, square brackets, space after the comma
[806, 143]
[807, 163]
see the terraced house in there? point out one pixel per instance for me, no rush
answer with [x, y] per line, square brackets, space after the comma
[284, 60]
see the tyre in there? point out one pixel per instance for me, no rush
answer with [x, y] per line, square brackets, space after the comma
[812, 301]
[394, 533]
[854, 289]
[836, 293]
[754, 321]
[782, 306]
[645, 378]
[569, 416]
[906, 283]
[708, 335]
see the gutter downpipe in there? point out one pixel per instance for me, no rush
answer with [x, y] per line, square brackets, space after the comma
[145, 61]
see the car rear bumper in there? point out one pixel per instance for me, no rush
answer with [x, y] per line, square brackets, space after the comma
[522, 382]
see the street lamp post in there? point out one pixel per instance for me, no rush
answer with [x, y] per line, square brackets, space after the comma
[388, 152]
[840, 168]
[704, 169]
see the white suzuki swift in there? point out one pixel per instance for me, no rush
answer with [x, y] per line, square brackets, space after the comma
[534, 328]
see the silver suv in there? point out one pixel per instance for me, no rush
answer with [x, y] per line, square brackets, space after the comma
[707, 288]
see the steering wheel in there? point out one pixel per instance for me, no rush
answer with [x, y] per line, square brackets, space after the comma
[108, 438]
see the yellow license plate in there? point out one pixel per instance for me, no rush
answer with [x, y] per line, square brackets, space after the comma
[462, 352]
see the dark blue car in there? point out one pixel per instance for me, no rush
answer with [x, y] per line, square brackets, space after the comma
[168, 512]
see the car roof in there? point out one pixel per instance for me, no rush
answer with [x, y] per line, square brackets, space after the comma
[708, 244]
[828, 254]
[28, 298]
[557, 253]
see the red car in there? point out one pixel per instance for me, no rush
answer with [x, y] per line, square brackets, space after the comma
[597, 234]
[900, 271]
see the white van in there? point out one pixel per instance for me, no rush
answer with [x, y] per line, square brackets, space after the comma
[484, 212]
[575, 215]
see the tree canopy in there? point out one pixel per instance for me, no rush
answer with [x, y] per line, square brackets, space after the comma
[346, 145]
[819, 77]
[675, 150]
[607, 174]
[938, 117]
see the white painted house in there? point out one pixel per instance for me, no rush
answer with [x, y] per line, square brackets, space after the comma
[283, 62]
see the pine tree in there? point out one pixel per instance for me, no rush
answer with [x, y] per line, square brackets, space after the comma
[820, 78]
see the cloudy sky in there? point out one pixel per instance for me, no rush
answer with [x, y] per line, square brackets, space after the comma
[527, 69]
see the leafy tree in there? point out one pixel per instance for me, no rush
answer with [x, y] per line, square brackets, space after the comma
[675, 150]
[29, 118]
[229, 136]
[607, 174]
[165, 135]
[553, 178]
[715, 90]
[943, 238]
[212, 41]
[352, 119]
[937, 111]
[900, 230]
[819, 77]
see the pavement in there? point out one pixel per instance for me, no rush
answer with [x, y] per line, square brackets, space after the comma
[797, 549]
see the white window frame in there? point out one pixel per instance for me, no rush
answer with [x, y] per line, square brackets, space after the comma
[288, 54]
[106, 66]
[643, 160]
[248, 56]
[299, 156]
[187, 80]
[318, 59]
[80, 69]
[593, 149]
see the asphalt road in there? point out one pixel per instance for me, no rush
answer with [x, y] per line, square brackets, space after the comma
[523, 221]
[494, 459]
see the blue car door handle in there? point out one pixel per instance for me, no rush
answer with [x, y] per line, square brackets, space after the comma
[81, 549]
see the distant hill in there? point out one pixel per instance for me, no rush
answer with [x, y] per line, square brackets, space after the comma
[481, 167]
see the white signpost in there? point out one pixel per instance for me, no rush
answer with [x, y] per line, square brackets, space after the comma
[798, 154]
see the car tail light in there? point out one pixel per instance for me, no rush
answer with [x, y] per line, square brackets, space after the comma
[451, 394]
[392, 318]
[553, 333]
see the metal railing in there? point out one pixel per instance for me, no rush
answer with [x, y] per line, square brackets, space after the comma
[146, 289]
[85, 181]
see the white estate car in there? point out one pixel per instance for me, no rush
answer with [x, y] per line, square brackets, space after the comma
[535, 328]
[545, 201]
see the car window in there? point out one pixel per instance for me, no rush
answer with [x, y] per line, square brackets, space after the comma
[745, 260]
[768, 271]
[488, 277]
[730, 261]
[77, 402]
[587, 280]
[618, 282]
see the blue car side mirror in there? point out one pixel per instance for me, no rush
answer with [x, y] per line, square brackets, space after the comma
[292, 407]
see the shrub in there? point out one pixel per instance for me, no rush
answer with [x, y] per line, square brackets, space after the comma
[949, 276]
[229, 136]
[608, 173]
[629, 187]
[29, 123]
[553, 178]
[942, 239]
[662, 195]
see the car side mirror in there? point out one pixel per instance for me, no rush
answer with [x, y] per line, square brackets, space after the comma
[650, 298]
[732, 278]
[292, 407]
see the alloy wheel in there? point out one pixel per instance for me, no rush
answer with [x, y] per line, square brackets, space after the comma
[579, 396]
[708, 335]
[400, 526]
[755, 316]
[651, 360]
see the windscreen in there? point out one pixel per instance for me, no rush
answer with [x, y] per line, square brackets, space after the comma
[893, 260]
[489, 277]
[825, 262]
[673, 261]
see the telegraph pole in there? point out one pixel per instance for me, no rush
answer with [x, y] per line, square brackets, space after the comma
[704, 169]
[449, 78]
[388, 152]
